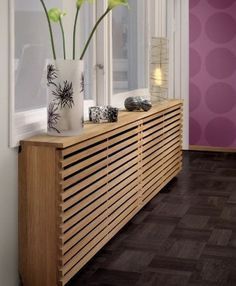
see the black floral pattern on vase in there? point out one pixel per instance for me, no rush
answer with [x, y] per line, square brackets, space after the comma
[53, 116]
[51, 75]
[64, 95]
[82, 83]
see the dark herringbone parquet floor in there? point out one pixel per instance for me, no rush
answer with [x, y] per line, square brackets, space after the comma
[185, 236]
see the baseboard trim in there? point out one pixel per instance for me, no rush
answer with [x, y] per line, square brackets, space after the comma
[211, 149]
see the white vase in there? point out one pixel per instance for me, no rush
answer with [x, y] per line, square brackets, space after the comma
[65, 96]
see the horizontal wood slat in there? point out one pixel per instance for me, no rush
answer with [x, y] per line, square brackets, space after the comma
[77, 147]
[82, 145]
[160, 176]
[155, 117]
[80, 187]
[157, 157]
[157, 174]
[154, 122]
[122, 145]
[93, 217]
[102, 164]
[123, 136]
[85, 174]
[123, 220]
[159, 164]
[149, 134]
[155, 189]
[83, 164]
[89, 180]
[83, 154]
[169, 140]
[124, 203]
[154, 140]
[91, 227]
[173, 109]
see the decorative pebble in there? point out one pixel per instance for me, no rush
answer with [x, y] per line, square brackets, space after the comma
[137, 103]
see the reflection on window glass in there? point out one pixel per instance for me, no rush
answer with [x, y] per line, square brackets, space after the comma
[32, 48]
[129, 47]
[85, 27]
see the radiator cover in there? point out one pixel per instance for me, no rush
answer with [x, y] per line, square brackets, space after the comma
[76, 193]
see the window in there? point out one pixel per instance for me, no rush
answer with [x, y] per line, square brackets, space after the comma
[111, 74]
[86, 23]
[130, 47]
[30, 48]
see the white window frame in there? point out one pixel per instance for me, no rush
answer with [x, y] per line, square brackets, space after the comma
[102, 54]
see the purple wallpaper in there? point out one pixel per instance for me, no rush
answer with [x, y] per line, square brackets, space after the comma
[213, 73]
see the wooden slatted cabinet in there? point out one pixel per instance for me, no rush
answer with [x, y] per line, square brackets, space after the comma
[76, 193]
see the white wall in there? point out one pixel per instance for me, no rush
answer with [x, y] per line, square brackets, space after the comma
[178, 34]
[8, 169]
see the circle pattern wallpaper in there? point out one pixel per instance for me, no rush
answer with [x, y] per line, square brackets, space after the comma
[213, 73]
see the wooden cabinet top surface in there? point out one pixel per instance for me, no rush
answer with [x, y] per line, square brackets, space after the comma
[92, 130]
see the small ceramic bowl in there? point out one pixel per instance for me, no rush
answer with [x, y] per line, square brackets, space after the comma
[103, 114]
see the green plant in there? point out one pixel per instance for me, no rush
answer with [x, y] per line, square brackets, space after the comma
[56, 15]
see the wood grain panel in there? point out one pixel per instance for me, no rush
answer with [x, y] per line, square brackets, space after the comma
[37, 216]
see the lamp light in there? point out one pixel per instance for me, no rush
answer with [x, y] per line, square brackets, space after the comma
[159, 66]
[158, 76]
